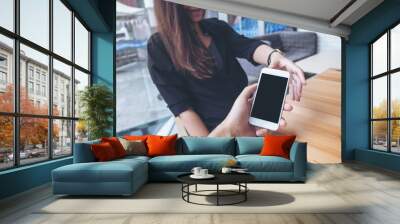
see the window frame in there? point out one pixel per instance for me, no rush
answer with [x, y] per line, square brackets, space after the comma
[3, 70]
[388, 74]
[16, 115]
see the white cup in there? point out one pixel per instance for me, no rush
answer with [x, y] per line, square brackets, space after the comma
[226, 170]
[203, 172]
[196, 171]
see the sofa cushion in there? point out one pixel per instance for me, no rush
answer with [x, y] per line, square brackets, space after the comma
[103, 152]
[161, 145]
[257, 163]
[116, 145]
[135, 147]
[206, 145]
[136, 137]
[112, 171]
[185, 163]
[277, 145]
[249, 145]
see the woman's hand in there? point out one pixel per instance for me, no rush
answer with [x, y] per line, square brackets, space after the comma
[237, 121]
[278, 61]
[296, 81]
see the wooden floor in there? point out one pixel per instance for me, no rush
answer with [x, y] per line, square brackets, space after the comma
[379, 190]
[316, 118]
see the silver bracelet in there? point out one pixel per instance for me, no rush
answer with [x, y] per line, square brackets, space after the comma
[270, 54]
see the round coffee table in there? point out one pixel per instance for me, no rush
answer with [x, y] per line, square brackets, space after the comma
[238, 179]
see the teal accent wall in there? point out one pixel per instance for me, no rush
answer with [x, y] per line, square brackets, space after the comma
[24, 178]
[103, 65]
[356, 102]
[103, 52]
[99, 16]
[103, 58]
[356, 85]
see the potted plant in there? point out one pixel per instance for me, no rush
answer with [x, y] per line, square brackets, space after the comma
[96, 103]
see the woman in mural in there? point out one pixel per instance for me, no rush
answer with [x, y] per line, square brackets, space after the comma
[192, 61]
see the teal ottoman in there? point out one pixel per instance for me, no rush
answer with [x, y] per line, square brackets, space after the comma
[118, 177]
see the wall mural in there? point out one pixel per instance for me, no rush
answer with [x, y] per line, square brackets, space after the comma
[149, 103]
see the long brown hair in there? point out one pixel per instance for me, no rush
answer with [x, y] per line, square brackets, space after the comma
[184, 47]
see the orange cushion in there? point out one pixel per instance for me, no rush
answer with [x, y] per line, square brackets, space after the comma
[161, 145]
[135, 137]
[103, 152]
[275, 145]
[116, 145]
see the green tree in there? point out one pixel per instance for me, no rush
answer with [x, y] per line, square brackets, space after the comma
[97, 110]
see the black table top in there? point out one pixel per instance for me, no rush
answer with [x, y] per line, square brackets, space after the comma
[220, 178]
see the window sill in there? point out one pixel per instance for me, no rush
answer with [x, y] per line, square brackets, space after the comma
[30, 166]
[381, 159]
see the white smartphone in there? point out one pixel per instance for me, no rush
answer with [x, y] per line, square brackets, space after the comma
[269, 99]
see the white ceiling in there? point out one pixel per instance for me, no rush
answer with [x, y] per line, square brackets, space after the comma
[321, 9]
[315, 15]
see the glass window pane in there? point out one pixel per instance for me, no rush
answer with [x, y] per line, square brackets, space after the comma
[379, 135]
[35, 21]
[379, 97]
[7, 14]
[81, 81]
[81, 131]
[34, 72]
[62, 89]
[395, 94]
[62, 138]
[379, 55]
[395, 47]
[6, 142]
[81, 45]
[33, 140]
[6, 74]
[62, 29]
[395, 136]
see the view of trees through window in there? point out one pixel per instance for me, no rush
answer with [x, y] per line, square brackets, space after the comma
[39, 75]
[385, 91]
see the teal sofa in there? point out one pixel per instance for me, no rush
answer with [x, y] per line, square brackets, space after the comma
[125, 176]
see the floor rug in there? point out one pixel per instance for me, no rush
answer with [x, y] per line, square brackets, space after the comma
[167, 198]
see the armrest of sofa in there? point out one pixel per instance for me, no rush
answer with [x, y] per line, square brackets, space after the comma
[299, 45]
[298, 155]
[83, 152]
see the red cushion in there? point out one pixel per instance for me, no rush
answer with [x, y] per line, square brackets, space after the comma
[116, 145]
[161, 145]
[135, 137]
[277, 145]
[103, 152]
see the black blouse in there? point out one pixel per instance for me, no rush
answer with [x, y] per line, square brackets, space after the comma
[211, 98]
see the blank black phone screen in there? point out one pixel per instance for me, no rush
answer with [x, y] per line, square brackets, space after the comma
[269, 98]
